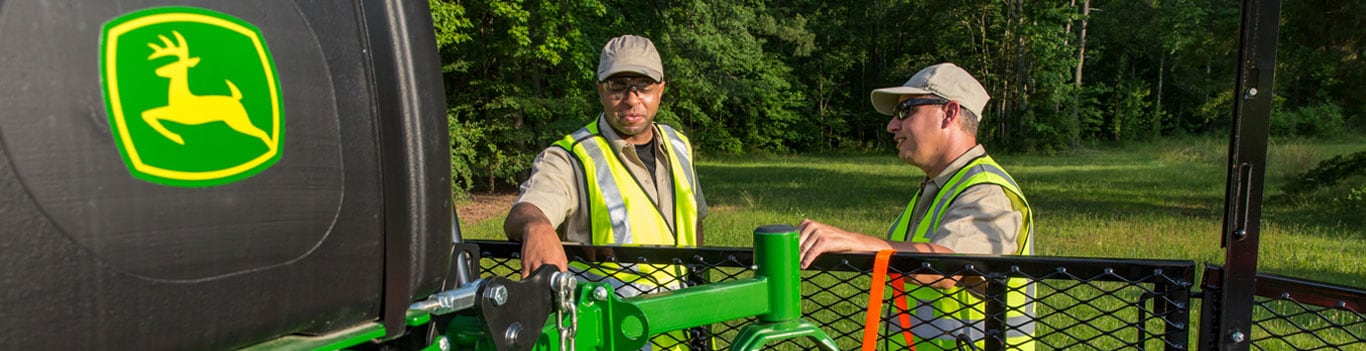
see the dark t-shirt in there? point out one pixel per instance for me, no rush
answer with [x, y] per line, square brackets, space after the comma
[646, 152]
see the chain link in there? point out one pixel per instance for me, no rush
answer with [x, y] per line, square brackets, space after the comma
[564, 284]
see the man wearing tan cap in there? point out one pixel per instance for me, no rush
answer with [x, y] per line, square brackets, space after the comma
[621, 180]
[966, 204]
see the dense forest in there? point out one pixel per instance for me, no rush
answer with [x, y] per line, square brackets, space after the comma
[759, 76]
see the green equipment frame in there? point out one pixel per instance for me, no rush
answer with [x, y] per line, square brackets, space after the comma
[600, 320]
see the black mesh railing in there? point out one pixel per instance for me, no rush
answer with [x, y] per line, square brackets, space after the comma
[1293, 314]
[1296, 314]
[1054, 303]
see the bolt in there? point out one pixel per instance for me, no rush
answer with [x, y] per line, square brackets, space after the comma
[444, 344]
[1239, 234]
[1251, 92]
[600, 293]
[497, 293]
[1238, 336]
[513, 331]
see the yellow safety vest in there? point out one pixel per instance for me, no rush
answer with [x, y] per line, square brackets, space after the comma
[621, 213]
[947, 317]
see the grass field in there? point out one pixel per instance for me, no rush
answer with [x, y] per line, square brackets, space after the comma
[1153, 200]
[1161, 200]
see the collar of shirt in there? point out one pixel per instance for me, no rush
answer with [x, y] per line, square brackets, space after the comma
[619, 144]
[958, 163]
[611, 135]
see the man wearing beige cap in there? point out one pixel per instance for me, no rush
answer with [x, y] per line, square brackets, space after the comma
[965, 204]
[621, 180]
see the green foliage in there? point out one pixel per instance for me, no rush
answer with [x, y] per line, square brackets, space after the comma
[1324, 119]
[757, 76]
[465, 140]
[1320, 56]
[1331, 172]
[726, 86]
[1130, 113]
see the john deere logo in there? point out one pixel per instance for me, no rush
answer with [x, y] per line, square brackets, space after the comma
[193, 96]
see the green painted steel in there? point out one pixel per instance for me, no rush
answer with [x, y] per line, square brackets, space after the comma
[607, 322]
[775, 252]
[343, 339]
[755, 336]
[707, 304]
[334, 341]
[620, 325]
[466, 333]
[416, 318]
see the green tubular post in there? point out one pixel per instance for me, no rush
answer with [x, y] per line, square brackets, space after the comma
[606, 322]
[775, 251]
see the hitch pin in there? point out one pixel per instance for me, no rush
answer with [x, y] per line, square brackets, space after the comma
[450, 300]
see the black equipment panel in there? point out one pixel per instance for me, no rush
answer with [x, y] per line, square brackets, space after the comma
[347, 227]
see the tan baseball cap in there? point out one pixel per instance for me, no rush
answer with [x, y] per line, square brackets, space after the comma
[944, 80]
[630, 53]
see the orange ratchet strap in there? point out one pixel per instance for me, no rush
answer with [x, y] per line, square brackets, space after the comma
[874, 317]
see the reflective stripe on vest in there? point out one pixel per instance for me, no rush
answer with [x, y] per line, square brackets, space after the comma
[948, 317]
[621, 212]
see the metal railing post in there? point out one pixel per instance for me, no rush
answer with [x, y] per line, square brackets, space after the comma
[1247, 163]
[995, 299]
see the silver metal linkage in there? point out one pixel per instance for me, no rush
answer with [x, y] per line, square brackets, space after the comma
[449, 301]
[564, 284]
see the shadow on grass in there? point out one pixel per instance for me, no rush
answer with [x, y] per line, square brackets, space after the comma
[1136, 188]
[785, 187]
[1131, 191]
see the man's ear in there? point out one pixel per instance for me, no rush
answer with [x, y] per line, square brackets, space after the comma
[952, 112]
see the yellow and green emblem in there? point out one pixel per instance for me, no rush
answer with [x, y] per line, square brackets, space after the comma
[193, 96]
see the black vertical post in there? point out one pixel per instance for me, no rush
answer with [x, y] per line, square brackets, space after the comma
[1247, 164]
[414, 149]
[995, 299]
[699, 338]
[1173, 307]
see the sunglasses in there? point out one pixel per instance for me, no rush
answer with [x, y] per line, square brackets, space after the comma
[618, 87]
[905, 109]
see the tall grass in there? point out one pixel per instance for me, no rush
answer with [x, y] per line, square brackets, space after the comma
[1161, 200]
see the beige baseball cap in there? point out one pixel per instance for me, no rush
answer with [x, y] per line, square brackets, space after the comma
[945, 80]
[630, 53]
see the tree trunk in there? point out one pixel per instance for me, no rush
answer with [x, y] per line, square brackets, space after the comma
[1161, 75]
[1081, 62]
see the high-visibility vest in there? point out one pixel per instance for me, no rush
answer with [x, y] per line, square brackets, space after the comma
[947, 317]
[621, 212]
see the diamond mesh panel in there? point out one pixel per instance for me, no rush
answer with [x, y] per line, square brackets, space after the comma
[1291, 314]
[1077, 304]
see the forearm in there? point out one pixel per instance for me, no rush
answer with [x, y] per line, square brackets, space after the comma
[540, 244]
[525, 221]
[933, 280]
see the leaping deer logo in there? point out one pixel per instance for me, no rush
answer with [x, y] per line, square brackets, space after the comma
[184, 107]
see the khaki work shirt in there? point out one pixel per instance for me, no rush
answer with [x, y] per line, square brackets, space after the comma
[980, 221]
[556, 185]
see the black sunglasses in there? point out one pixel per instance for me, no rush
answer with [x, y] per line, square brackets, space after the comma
[618, 87]
[903, 110]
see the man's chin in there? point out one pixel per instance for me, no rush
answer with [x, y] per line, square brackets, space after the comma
[906, 157]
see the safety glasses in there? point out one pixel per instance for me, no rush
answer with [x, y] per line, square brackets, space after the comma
[907, 107]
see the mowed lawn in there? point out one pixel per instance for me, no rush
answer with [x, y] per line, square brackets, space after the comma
[1161, 200]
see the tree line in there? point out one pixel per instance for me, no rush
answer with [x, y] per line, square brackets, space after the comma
[760, 76]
